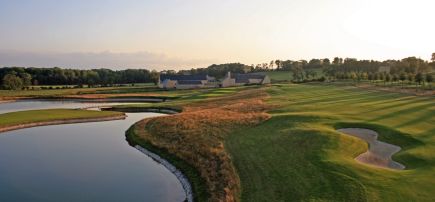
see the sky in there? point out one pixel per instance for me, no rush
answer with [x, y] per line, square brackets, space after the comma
[182, 34]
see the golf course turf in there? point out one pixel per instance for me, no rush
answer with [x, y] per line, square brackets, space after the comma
[297, 155]
[280, 142]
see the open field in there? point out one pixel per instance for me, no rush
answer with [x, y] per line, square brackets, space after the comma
[298, 155]
[35, 116]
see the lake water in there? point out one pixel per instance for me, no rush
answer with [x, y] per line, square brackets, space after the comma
[21, 105]
[80, 162]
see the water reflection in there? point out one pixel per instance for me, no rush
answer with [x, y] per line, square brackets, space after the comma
[81, 162]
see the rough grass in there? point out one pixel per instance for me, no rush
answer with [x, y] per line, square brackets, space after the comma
[34, 116]
[196, 136]
[297, 155]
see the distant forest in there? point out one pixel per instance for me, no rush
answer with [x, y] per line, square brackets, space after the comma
[18, 77]
[301, 70]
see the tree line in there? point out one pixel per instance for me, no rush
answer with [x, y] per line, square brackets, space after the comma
[301, 70]
[410, 69]
[19, 77]
[337, 68]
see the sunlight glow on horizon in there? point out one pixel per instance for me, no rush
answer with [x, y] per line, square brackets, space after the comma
[189, 33]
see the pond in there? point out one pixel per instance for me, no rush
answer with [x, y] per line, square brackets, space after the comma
[34, 104]
[80, 162]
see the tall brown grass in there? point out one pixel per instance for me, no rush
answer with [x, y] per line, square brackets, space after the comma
[197, 136]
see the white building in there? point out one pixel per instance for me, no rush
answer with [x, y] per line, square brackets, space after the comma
[244, 79]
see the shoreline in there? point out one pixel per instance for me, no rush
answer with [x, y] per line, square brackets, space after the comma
[6, 101]
[60, 122]
[145, 99]
[163, 110]
[191, 181]
[182, 178]
[185, 183]
[174, 170]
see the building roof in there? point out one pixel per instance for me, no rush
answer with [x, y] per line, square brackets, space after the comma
[244, 78]
[183, 77]
[189, 82]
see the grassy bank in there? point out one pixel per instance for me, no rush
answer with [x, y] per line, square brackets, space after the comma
[36, 116]
[196, 135]
[200, 192]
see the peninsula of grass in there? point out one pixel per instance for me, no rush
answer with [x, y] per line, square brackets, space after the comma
[280, 143]
[25, 119]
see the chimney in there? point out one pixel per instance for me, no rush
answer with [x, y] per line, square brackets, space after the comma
[229, 75]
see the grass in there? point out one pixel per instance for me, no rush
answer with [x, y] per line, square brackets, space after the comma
[198, 185]
[186, 97]
[34, 116]
[196, 135]
[232, 150]
[147, 91]
[297, 154]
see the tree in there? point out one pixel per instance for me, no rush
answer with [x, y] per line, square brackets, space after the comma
[12, 82]
[429, 79]
[278, 64]
[419, 78]
[387, 77]
[337, 61]
[326, 62]
[314, 63]
[410, 77]
[380, 76]
[353, 76]
[311, 73]
[433, 57]
[27, 79]
[298, 73]
[395, 78]
[154, 76]
[402, 77]
[370, 77]
[271, 64]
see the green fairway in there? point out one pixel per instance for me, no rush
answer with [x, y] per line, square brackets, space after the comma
[35, 116]
[298, 156]
[184, 97]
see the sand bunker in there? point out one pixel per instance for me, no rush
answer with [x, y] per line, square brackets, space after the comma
[379, 153]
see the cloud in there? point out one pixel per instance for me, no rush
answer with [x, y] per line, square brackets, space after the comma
[88, 60]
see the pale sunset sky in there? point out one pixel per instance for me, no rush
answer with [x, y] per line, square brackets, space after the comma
[180, 34]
